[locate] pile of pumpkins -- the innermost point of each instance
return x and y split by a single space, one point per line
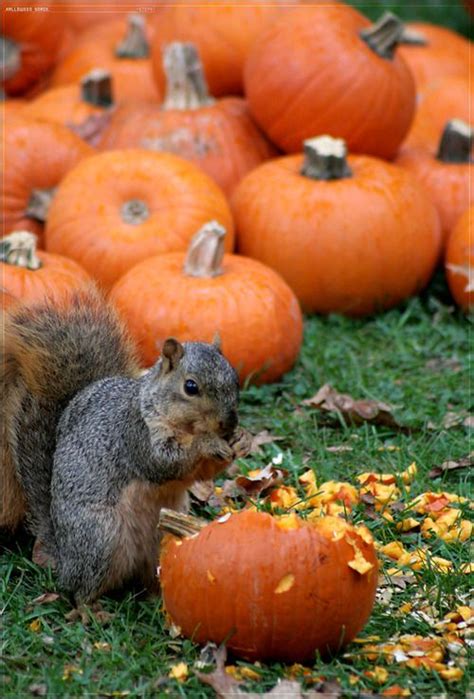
226 167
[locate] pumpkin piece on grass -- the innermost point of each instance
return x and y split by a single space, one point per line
327 70
36 157
29 274
350 235
121 47
218 135
268 588
194 295
85 108
117 208
459 261
446 175
433 52
30 43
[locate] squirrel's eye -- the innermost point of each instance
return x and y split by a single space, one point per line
191 387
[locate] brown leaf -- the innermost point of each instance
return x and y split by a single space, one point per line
469 422
263 437
266 478
339 448
46 598
356 411
38 690
439 364
464 462
202 490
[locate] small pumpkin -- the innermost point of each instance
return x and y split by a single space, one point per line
29 274
117 208
121 47
459 261
194 295
30 43
218 135
36 156
433 52
269 587
325 69
350 235
446 174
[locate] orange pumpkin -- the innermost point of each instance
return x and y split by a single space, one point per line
30 44
327 70
32 275
119 46
117 208
193 296
349 236
434 52
36 156
217 135
84 108
269 587
93 13
447 174
459 261
438 103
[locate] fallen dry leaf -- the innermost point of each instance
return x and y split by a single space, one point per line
356 411
256 482
263 437
45 598
202 490
439 364
38 690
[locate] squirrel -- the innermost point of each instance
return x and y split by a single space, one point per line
92 448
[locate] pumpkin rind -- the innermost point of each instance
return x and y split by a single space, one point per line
268 592
459 261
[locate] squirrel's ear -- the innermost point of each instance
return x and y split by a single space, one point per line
171 353
217 341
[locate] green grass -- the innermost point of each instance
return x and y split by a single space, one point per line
383 357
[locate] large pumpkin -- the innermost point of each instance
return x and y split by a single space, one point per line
271 588
36 156
121 47
327 70
29 274
459 260
351 236
218 135
445 174
193 296
117 208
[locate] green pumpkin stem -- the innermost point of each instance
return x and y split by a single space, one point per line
325 159
186 86
10 57
19 249
384 35
205 252
180 524
456 142
134 44
96 88
39 203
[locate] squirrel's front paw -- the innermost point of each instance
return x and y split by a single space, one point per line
240 443
222 451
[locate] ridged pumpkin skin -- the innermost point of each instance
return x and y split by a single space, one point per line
460 255
132 78
62 105
35 156
310 73
256 314
86 219
355 245
445 54
221 138
221 586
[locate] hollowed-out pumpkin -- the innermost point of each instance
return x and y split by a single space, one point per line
459 260
218 135
194 295
325 69
117 208
269 587
353 235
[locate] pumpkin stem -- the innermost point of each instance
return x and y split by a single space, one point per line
19 249
180 524
10 57
134 211
410 37
384 35
456 142
325 159
186 86
39 203
134 44
96 88
205 252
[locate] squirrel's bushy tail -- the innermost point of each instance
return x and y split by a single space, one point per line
50 352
